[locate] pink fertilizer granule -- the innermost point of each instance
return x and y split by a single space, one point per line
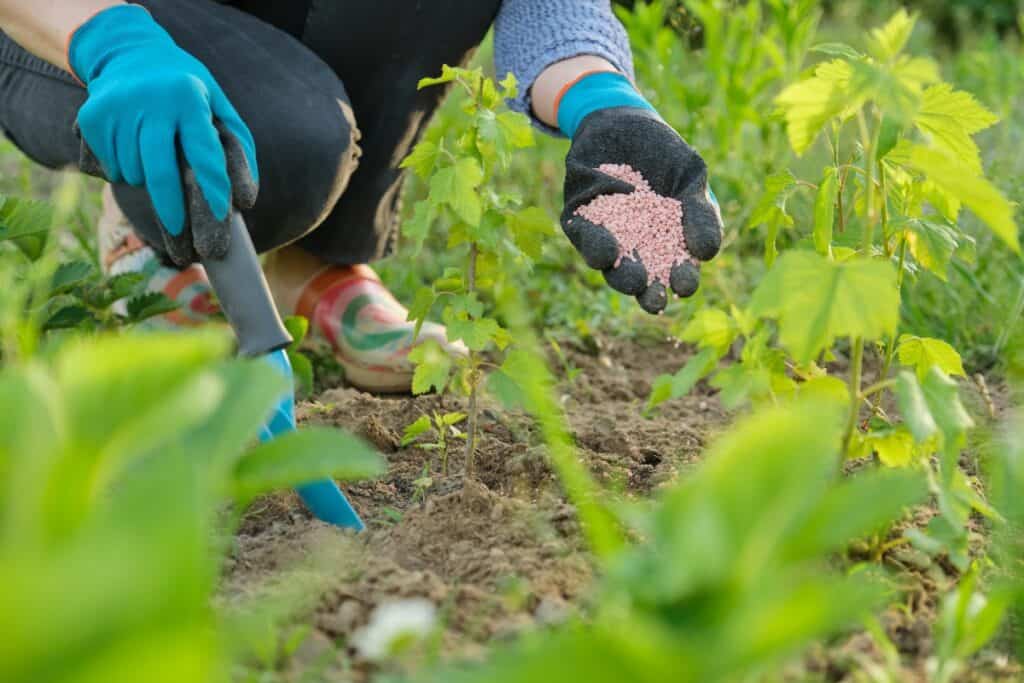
646 224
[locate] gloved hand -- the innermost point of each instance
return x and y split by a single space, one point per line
148 98
637 202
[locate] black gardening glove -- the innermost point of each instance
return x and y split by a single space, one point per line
637 138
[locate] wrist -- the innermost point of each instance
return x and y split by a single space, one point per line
95 42
594 92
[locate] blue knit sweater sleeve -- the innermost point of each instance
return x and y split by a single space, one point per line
531 35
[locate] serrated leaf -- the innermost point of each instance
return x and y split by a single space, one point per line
925 353
304 456
150 305
475 333
510 86
977 193
68 317
711 328
433 367
838 50
416 429
69 275
950 117
817 301
932 243
457 185
888 41
422 159
809 104
448 74
124 285
825 211
895 449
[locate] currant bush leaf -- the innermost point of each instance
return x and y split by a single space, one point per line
950 117
925 353
817 301
433 367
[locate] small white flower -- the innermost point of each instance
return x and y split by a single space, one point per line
395 627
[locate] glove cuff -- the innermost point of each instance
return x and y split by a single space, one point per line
594 92
93 44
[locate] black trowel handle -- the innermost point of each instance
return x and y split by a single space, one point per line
240 286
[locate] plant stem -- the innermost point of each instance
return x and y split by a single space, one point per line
869 139
473 372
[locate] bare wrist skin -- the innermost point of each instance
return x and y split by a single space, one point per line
552 82
43 27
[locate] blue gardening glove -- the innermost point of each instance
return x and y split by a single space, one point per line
637 202
323 498
149 102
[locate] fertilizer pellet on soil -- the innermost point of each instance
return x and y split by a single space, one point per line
647 225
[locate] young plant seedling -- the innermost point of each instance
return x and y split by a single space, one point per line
459 161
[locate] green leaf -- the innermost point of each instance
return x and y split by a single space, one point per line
809 104
150 305
670 387
924 353
977 193
69 275
825 211
866 503
26 223
531 228
124 285
933 242
416 429
817 301
448 74
711 328
302 369
943 398
302 457
422 159
914 408
417 228
771 210
476 333
951 117
837 50
433 367
298 328
68 317
457 185
740 383
895 449
889 40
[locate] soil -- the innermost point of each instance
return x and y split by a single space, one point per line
503 552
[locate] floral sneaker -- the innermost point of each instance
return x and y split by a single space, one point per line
352 310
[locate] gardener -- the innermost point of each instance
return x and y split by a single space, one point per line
317 102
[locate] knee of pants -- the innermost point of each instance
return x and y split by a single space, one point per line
307 156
